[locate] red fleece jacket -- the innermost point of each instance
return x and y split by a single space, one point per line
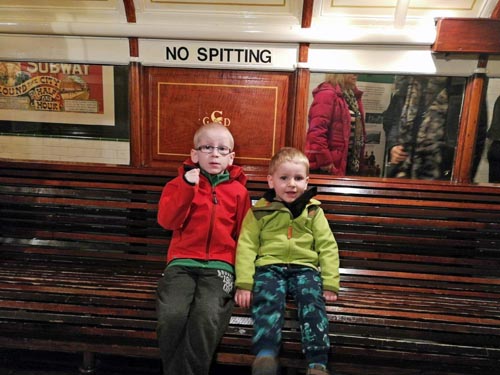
205 221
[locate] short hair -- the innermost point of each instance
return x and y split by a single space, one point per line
212 126
288 154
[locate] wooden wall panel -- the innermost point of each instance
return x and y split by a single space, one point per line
252 104
467 35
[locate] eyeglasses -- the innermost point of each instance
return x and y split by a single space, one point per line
207 149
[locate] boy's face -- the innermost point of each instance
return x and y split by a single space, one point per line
289 181
208 152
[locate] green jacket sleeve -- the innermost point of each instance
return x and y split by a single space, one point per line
328 252
247 251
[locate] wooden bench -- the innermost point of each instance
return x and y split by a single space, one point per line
420 277
420 270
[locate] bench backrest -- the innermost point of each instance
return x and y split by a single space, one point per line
104 213
385 230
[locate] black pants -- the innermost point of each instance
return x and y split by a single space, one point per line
494 161
194 306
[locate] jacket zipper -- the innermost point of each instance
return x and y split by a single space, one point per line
212 223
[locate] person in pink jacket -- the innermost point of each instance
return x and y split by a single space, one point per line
336 136
204 207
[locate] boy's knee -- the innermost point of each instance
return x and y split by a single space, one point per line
171 314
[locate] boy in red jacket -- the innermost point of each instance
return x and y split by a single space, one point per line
203 207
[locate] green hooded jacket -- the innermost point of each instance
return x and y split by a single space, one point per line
271 235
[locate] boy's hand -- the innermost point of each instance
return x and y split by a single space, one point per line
193 175
330 296
243 298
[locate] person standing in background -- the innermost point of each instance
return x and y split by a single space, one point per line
421 128
336 136
494 148
414 124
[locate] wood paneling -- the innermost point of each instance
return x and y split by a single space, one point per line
301 109
307 11
136 131
130 10
496 12
468 35
467 136
252 104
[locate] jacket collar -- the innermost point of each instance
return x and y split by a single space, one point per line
298 205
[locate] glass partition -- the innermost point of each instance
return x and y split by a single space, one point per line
384 125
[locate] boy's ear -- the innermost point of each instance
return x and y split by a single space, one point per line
270 181
194 156
231 158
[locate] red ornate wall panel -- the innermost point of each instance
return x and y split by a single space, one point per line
253 105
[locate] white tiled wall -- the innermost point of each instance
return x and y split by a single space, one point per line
64 149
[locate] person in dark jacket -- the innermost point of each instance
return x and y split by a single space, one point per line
421 127
203 207
415 127
494 148
336 136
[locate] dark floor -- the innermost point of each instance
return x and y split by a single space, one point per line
24 362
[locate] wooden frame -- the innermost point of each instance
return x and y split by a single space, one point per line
181 100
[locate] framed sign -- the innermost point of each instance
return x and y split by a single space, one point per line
253 105
57 92
64 100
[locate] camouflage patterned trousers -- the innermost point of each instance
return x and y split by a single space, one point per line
272 285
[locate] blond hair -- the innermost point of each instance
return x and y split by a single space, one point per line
337 79
288 154
202 130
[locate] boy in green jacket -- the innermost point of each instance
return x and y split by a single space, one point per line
286 247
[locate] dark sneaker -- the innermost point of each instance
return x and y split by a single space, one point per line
317 370
265 365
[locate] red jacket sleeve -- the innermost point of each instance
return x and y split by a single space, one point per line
175 203
320 119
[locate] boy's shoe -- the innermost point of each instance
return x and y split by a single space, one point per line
317 370
265 365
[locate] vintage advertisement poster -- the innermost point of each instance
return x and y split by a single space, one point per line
57 93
